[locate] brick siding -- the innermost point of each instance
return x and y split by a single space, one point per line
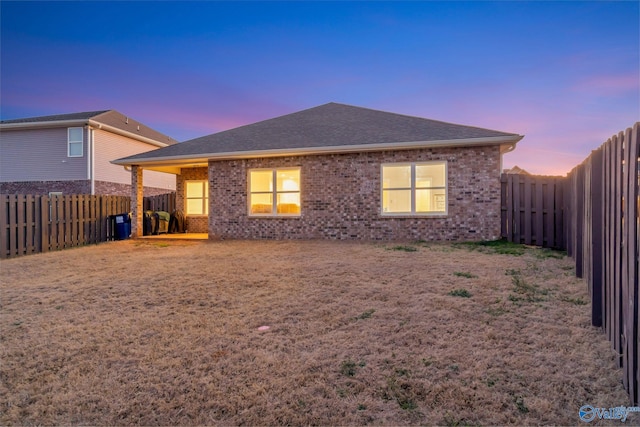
74 187
43 188
340 198
115 189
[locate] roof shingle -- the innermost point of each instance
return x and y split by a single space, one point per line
328 125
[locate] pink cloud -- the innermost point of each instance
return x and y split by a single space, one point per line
610 84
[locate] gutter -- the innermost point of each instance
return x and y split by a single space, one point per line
48 124
509 141
81 123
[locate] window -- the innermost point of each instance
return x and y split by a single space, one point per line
197 197
75 138
414 188
281 199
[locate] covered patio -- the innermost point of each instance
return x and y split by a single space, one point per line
192 199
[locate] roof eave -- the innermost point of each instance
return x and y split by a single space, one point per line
506 143
80 122
112 129
44 124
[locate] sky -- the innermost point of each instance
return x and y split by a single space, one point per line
564 74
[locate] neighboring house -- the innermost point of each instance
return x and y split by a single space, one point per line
336 172
72 153
516 170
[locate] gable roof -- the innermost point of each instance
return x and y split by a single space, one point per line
110 120
328 128
516 170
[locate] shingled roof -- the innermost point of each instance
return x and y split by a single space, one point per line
109 119
329 128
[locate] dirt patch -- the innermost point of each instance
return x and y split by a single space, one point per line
161 332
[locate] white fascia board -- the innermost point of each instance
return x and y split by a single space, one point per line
508 141
38 125
80 122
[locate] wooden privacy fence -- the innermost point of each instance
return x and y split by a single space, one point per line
593 215
603 240
162 202
33 224
532 210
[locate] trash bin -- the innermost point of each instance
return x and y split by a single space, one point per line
123 226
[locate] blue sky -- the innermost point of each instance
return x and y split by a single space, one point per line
564 74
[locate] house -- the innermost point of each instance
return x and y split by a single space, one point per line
516 170
72 153
336 172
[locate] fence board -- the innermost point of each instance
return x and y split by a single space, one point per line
617 325
45 221
549 211
4 226
13 201
597 231
509 225
559 214
539 215
630 261
21 223
503 206
527 210
578 218
32 224
609 262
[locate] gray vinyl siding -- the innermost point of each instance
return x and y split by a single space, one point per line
109 146
40 155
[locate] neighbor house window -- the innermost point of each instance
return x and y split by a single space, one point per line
197 197
414 188
274 192
75 138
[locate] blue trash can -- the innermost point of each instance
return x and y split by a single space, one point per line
123 226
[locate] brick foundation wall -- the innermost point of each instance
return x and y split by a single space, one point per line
340 198
194 224
43 188
74 187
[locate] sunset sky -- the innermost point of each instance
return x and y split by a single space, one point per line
564 74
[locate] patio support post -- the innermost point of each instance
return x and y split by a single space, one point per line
137 195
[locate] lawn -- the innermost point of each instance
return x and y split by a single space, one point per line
309 332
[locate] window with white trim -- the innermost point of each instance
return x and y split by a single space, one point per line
281 199
197 197
75 142
414 188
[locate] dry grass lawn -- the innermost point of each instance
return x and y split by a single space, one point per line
168 333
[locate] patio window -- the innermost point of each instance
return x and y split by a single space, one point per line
197 197
75 141
414 188
274 192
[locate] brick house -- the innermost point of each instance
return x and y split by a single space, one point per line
72 153
336 172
